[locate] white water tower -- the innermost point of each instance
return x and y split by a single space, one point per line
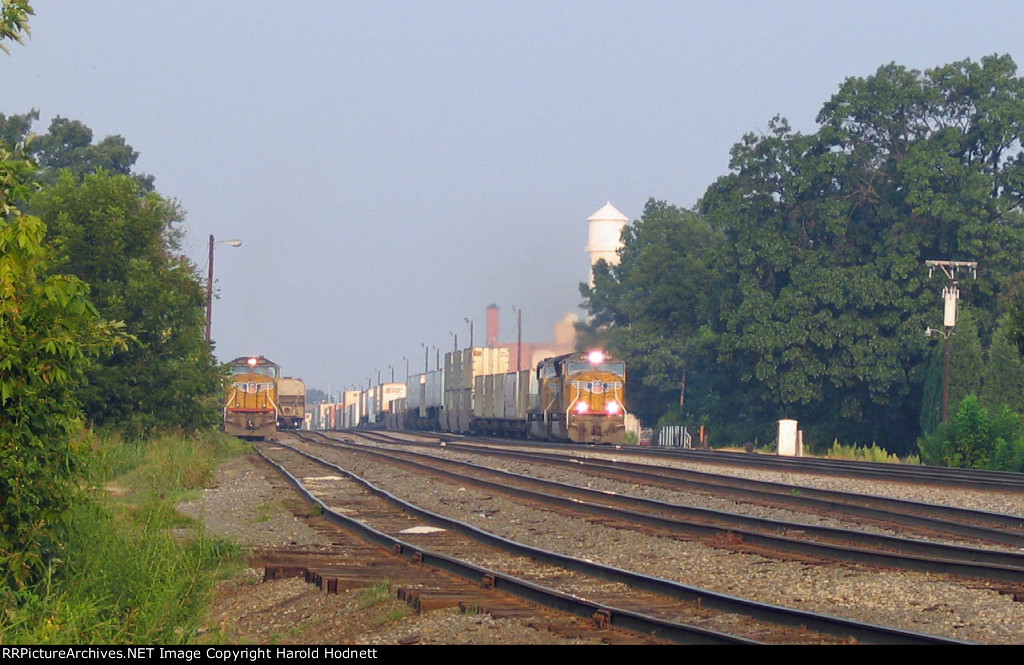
605 236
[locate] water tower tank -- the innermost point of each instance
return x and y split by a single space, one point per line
605 236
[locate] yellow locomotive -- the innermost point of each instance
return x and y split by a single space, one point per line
581 398
251 409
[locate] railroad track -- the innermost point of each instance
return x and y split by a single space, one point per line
828 543
953 522
930 475
622 591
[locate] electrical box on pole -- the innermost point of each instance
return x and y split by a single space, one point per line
950 295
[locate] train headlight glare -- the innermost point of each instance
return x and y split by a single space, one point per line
612 408
582 407
595 357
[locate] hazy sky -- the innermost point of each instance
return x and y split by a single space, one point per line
395 167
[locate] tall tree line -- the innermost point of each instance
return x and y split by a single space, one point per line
797 286
111 229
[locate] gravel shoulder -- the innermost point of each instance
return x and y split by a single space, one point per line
245 506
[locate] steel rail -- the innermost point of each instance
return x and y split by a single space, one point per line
965 478
890 551
946 519
551 598
832 625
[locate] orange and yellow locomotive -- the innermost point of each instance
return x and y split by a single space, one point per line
581 398
251 408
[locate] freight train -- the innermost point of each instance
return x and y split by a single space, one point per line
260 401
578 397
291 402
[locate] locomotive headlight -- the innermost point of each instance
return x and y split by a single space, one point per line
595 357
612 408
582 407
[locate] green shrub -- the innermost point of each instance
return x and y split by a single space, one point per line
126 576
976 439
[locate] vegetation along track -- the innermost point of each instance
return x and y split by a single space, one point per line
614 587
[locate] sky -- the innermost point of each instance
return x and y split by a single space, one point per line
394 167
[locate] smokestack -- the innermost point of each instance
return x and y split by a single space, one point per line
493 321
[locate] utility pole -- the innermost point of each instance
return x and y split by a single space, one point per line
950 296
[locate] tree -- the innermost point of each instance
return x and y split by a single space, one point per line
1003 379
655 306
124 242
48 332
68 145
966 371
14 22
816 296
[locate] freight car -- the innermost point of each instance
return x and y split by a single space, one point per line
291 402
251 409
577 397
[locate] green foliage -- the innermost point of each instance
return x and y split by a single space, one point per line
128 577
799 289
377 593
966 370
14 21
874 453
977 439
124 242
49 332
1003 377
654 308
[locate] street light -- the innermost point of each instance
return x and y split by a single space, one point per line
209 283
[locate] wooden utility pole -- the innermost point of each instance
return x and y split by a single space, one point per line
950 296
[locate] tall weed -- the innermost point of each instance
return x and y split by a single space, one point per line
874 453
125 576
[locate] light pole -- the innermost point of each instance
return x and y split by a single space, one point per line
209 283
519 338
467 320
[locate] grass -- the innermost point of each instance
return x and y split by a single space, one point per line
380 593
124 577
874 453
377 593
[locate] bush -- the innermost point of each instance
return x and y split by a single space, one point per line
976 439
